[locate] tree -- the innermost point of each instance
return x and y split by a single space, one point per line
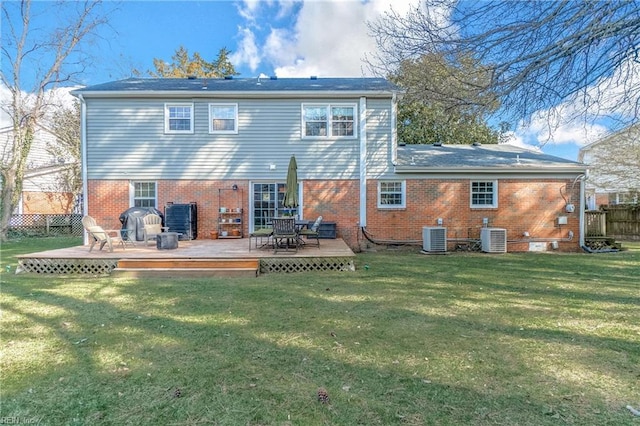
48 58
183 66
445 102
579 55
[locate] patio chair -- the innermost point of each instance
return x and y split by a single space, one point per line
260 234
313 232
99 235
152 228
284 234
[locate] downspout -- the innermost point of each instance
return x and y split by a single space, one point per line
363 162
394 129
83 153
582 202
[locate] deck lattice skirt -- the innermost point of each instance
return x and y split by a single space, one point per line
304 264
67 266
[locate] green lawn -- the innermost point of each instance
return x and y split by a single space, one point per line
516 339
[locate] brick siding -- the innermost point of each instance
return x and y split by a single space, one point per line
531 206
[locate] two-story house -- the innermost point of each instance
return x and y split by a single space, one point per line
45 185
149 142
614 163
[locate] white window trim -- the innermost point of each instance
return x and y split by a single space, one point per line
167 106
393 206
494 205
328 107
235 120
132 192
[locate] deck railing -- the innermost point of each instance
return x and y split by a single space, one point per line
595 223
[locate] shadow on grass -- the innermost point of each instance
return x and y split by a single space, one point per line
255 351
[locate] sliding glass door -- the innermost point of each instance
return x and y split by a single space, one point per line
267 201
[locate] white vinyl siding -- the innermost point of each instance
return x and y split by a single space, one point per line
392 194
126 140
223 118
178 118
484 194
329 120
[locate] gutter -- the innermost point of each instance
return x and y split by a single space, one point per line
492 170
235 94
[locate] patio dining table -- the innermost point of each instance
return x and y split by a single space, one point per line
296 242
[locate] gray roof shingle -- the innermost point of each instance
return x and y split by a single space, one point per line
471 157
244 85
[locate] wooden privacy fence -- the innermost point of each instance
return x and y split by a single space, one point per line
620 221
623 221
37 225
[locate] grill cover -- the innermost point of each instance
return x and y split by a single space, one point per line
131 219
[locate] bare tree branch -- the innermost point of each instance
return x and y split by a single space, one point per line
53 57
541 53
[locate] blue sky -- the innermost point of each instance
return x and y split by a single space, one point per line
287 38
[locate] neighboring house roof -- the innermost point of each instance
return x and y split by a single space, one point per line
613 137
270 87
499 158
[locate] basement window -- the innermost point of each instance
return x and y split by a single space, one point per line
392 194
484 194
143 194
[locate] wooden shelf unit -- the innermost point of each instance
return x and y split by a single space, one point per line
230 219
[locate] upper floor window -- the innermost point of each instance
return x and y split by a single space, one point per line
335 120
144 194
392 194
178 118
484 194
223 118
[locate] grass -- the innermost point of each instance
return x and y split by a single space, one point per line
526 339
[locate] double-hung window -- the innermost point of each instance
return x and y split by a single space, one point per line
484 194
143 194
392 194
223 118
178 118
329 120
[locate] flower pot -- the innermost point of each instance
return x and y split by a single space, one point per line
214 235
234 232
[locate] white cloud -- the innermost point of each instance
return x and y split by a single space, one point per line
329 38
589 115
247 50
60 97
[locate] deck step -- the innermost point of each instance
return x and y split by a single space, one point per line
187 267
184 272
188 263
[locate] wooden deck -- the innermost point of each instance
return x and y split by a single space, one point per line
333 254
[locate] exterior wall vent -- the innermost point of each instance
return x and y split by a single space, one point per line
434 239
494 240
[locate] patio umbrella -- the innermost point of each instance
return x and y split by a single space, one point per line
291 195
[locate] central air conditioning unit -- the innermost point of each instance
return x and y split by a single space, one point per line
494 240
434 239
